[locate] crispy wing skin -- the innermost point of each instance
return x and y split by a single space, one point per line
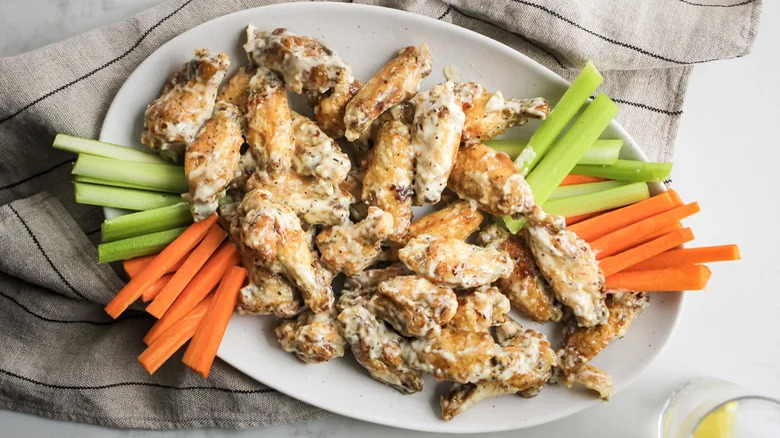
271 233
480 309
211 160
269 123
525 287
172 121
389 171
369 279
438 122
305 63
330 108
592 378
268 293
353 185
581 344
490 114
313 337
523 364
316 154
352 248
569 265
236 88
316 201
414 306
377 348
403 112
491 179
456 355
453 262
397 81
456 221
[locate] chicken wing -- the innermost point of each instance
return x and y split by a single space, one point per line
329 108
403 112
211 160
490 114
377 348
268 293
592 378
316 154
414 306
523 365
305 63
369 279
389 170
525 287
316 201
236 88
491 179
456 355
581 344
269 122
438 122
352 248
569 265
172 121
313 337
480 309
453 262
397 81
272 234
456 221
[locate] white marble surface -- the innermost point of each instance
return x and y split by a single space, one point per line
725 157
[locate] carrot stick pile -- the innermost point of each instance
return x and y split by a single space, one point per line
637 245
179 282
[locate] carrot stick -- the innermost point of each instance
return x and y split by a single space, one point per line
205 342
153 290
689 256
152 272
574 178
679 278
606 223
571 220
204 281
632 235
617 263
135 267
172 339
660 232
194 262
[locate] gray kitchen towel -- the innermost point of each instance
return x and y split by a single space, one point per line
62 357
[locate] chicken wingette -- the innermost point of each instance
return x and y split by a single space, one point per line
388 175
172 121
397 81
525 287
454 263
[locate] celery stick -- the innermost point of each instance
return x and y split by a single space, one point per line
145 222
628 170
602 151
129 199
93 147
549 173
578 93
161 177
598 201
584 189
137 246
105 182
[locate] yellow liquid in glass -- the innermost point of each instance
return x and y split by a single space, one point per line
719 423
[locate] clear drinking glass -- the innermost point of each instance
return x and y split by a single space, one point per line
714 408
